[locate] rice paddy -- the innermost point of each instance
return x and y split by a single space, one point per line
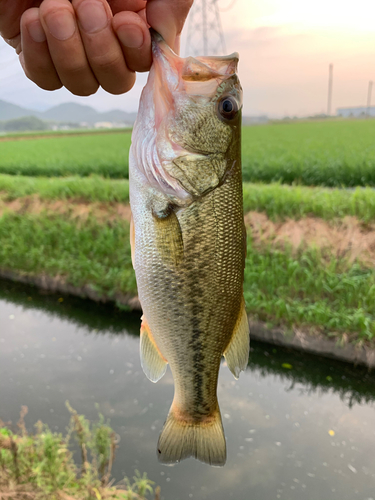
63 203
330 153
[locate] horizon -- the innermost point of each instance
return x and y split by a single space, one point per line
285 49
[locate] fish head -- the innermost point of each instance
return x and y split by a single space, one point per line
190 108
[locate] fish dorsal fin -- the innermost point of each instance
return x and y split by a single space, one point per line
153 362
237 352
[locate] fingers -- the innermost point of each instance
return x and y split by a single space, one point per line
126 5
35 57
83 47
102 47
167 17
134 35
66 47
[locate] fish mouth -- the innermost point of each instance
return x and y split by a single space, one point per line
195 76
200 68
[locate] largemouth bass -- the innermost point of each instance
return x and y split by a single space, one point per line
188 241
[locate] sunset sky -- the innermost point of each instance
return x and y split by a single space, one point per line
285 48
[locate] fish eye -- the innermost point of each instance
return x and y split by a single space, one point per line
228 107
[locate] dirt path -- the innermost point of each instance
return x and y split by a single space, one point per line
57 135
347 238
74 209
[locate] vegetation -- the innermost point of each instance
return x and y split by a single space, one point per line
40 466
311 288
278 201
62 133
105 154
22 124
308 287
327 153
79 252
88 189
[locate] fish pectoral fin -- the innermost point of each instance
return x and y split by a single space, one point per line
153 362
169 237
237 352
203 440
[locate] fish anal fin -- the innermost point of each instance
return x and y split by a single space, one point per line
237 352
203 440
153 362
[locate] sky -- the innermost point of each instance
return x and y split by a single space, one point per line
285 49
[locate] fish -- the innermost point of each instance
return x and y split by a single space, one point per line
188 241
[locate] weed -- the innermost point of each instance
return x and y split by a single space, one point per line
40 466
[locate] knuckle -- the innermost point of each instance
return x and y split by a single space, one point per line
107 62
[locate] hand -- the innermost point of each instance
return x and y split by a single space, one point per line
84 44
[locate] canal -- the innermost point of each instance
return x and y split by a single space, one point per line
298 427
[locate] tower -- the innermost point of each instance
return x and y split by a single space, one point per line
205 34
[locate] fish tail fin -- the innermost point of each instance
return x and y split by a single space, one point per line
182 438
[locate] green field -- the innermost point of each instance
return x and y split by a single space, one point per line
310 288
332 154
322 288
105 154
278 201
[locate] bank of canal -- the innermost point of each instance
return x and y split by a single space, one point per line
298 427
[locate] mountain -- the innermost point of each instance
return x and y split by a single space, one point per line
67 112
72 112
10 111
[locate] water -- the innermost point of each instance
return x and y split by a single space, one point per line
279 420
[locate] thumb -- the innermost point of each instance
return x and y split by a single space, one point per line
167 17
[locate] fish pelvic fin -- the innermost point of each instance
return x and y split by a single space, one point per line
237 352
203 440
153 362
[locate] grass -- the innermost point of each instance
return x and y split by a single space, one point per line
89 189
81 253
105 154
327 153
40 466
312 289
278 201
305 289
61 133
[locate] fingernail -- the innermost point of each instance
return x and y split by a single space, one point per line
61 25
36 31
131 36
92 16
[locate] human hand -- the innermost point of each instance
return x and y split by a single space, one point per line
84 44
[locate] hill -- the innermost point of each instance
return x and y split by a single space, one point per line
66 112
10 111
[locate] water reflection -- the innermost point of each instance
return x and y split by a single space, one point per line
277 416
